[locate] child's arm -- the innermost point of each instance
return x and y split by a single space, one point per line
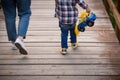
55 15
84 5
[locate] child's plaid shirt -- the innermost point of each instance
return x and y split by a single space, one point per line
66 10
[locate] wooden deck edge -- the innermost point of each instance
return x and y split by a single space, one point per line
110 5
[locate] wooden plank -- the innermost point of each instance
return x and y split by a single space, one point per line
58 33
56 50
60 72
54 21
59 77
47 39
25 61
34 44
59 67
55 56
35 24
96 28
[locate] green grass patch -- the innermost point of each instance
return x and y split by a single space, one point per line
112 19
114 1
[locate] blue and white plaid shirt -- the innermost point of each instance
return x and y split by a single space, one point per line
66 10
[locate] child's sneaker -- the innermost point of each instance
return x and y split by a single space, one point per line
20 45
64 51
74 45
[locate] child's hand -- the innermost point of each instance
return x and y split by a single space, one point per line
88 10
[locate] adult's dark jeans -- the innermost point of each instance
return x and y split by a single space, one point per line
24 12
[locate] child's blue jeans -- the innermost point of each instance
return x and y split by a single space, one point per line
65 28
24 12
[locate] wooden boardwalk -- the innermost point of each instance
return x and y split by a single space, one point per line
97 57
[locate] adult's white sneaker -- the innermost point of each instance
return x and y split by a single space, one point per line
20 45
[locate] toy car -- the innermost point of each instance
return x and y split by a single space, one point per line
86 19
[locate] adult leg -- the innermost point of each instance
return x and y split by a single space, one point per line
24 13
9 9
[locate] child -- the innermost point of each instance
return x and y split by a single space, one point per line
67 14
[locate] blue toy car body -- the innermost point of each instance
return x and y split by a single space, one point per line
88 21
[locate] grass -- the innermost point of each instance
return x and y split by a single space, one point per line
112 17
114 1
